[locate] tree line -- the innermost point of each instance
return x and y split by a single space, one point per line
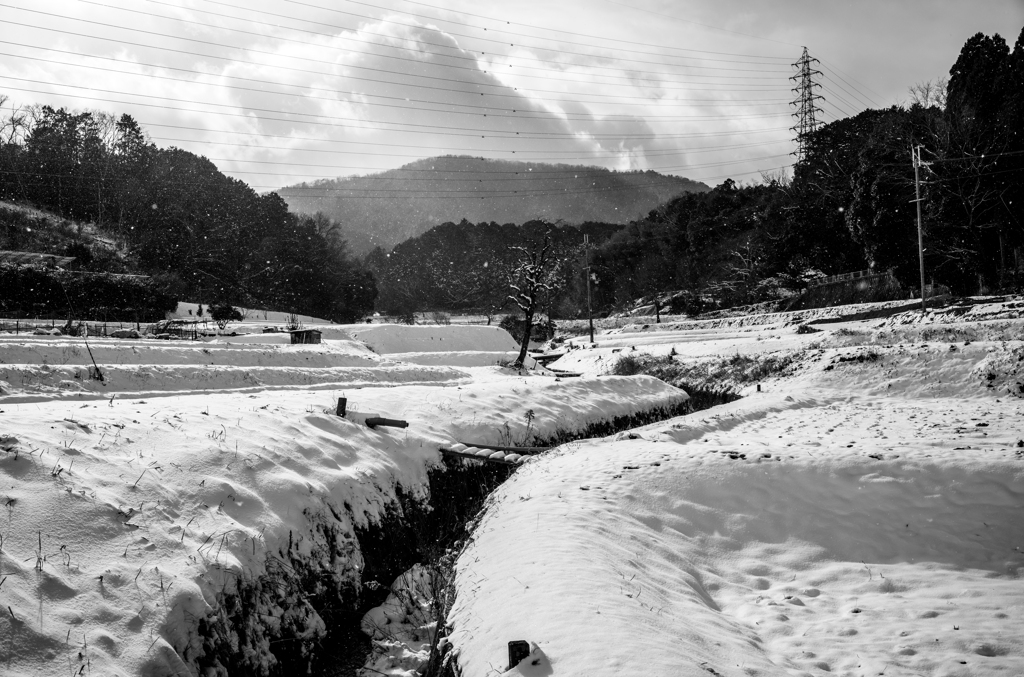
200 234
467 267
849 204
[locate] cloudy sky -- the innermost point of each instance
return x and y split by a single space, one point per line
276 92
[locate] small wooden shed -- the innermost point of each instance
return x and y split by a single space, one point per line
305 336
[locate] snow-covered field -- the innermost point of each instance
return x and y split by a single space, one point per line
131 504
860 514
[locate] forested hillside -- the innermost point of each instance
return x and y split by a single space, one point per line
384 209
850 203
173 215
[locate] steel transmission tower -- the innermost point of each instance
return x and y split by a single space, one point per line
806 109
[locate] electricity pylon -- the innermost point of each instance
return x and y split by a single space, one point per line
806 109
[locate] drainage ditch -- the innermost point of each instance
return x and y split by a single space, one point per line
303 615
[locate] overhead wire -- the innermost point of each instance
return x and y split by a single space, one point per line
859 100
403 145
558 30
518 114
418 127
406 193
645 102
840 72
853 106
372 69
548 155
585 44
473 60
748 88
547 178
560 49
456 57
848 108
495 133
690 21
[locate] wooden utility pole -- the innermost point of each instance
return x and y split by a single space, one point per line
590 313
915 155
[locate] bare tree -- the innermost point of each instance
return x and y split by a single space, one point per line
776 177
529 278
927 94
14 127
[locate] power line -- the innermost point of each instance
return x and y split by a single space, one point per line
354 66
837 113
855 97
391 126
746 87
602 38
858 105
420 128
548 155
382 44
546 178
560 50
689 21
549 158
845 109
473 60
401 145
517 114
647 102
406 193
840 72
534 175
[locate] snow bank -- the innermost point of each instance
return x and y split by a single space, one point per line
128 520
19 383
220 352
756 545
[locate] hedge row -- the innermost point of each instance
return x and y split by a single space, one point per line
29 291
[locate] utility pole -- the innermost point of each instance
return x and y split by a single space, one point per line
806 108
915 156
590 313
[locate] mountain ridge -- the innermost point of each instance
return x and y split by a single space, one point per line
389 207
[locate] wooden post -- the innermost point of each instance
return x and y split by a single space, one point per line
375 421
